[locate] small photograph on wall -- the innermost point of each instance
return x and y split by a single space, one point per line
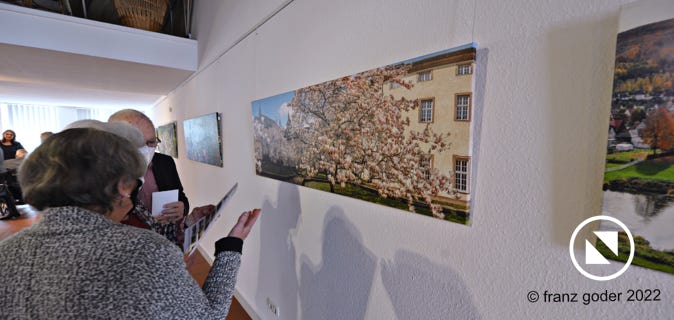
169 140
202 139
639 174
397 135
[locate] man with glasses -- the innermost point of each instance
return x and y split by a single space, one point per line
161 175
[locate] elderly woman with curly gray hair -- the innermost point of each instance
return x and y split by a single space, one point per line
78 261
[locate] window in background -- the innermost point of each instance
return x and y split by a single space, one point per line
28 121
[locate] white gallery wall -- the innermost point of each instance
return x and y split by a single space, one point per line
543 88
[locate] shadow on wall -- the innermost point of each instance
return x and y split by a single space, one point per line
338 288
278 279
580 90
420 289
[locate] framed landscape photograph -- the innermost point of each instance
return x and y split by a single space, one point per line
397 135
639 174
169 139
202 139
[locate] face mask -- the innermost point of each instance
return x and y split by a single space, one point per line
148 153
134 196
134 193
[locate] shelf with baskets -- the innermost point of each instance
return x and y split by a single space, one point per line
54 57
171 17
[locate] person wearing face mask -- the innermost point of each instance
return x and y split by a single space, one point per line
79 262
161 175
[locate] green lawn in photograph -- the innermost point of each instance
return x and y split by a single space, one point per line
623 157
644 255
277 171
452 212
610 165
656 169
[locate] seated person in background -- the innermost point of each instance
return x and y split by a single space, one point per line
77 261
8 211
12 167
3 169
9 145
45 135
13 164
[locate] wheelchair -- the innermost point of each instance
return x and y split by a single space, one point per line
8 202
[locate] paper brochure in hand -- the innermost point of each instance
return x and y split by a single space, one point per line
195 233
160 198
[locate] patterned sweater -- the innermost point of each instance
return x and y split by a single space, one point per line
77 264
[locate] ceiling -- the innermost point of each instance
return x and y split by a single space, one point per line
39 68
30 75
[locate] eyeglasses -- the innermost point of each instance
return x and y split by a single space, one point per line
153 142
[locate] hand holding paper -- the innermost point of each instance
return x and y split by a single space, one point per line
165 206
161 198
200 220
198 213
173 212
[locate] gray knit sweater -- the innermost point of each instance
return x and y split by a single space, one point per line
77 264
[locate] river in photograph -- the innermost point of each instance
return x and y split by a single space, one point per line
649 216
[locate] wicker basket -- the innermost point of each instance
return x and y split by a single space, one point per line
142 14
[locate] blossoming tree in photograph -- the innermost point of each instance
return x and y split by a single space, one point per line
358 137
353 134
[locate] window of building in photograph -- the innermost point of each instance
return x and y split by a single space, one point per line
463 107
426 111
461 174
464 69
426 164
425 76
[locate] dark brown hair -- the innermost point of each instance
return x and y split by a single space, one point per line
13 135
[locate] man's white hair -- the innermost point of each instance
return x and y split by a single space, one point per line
121 129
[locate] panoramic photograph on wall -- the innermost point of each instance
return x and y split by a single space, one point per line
397 135
169 139
202 139
639 174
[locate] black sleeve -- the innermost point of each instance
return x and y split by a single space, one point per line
166 175
228 244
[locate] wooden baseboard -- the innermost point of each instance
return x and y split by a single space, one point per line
247 308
